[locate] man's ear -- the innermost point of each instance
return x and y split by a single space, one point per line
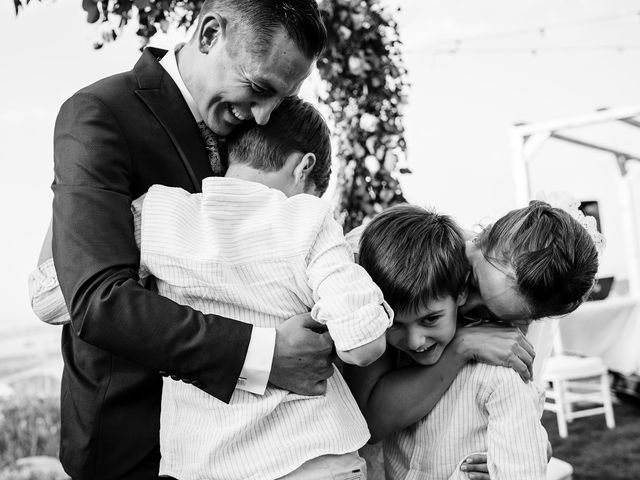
304 167
210 30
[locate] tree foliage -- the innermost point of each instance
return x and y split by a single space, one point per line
366 84
365 80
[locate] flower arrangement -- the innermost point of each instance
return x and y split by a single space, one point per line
366 85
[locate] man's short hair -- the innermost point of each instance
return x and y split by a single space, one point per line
301 20
295 126
415 256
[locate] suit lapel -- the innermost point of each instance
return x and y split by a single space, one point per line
161 95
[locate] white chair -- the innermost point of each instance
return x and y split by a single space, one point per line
573 380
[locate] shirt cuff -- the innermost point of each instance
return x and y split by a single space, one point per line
46 297
257 364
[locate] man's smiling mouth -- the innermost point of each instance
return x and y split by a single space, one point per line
237 113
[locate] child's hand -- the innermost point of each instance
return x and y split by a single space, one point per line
475 466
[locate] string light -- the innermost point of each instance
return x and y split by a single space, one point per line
528 50
541 30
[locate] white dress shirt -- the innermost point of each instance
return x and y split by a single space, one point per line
246 251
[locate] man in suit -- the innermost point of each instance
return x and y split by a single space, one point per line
113 140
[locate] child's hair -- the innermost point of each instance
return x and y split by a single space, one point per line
295 126
552 255
415 256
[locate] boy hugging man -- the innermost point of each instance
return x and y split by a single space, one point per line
418 260
259 246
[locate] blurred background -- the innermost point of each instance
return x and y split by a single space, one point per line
475 70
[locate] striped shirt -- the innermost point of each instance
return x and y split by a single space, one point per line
45 294
486 409
245 251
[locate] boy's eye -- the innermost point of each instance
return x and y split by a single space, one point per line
430 320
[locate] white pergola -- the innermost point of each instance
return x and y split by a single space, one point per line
529 138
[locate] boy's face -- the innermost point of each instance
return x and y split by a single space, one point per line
425 333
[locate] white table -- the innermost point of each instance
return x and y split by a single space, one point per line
609 329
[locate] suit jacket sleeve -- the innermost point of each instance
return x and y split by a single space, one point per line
97 261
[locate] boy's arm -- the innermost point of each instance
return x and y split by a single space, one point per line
365 354
345 297
516 440
392 399
45 295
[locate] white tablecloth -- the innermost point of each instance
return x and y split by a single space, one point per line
609 329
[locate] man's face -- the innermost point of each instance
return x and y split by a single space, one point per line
424 334
231 84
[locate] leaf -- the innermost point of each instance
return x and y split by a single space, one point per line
91 7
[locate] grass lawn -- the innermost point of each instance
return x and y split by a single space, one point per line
594 451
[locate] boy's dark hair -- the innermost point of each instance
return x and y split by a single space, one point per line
301 20
552 255
295 126
415 256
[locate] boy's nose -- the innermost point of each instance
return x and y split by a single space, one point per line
415 340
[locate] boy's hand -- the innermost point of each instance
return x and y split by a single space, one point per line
302 360
475 466
497 345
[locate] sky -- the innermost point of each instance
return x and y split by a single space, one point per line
476 68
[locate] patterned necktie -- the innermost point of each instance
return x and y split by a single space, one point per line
211 142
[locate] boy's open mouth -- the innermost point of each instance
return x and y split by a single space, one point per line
427 350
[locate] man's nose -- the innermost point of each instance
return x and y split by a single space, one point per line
261 111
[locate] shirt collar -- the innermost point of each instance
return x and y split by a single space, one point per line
170 63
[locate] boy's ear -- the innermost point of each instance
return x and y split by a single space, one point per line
462 296
209 31
304 167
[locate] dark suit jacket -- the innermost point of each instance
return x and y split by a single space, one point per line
113 140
